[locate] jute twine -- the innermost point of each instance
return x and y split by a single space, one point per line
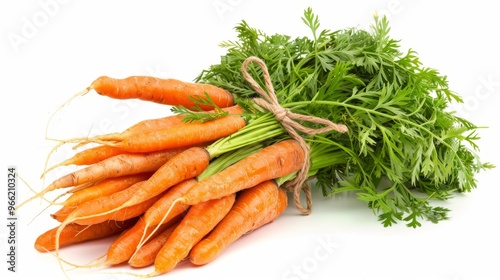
288 120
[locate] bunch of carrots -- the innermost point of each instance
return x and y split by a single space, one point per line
186 186
172 189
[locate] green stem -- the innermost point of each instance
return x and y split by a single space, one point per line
259 129
227 159
369 111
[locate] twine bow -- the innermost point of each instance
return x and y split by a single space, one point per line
288 120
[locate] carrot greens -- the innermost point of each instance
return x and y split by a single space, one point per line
403 146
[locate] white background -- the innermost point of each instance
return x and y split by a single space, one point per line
52 49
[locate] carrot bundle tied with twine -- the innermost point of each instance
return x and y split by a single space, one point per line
288 119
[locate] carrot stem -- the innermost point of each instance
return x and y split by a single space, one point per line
257 130
228 159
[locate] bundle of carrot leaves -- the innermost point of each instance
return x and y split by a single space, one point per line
403 146
190 184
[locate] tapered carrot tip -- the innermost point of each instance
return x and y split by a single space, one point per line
102 84
109 137
63 163
204 253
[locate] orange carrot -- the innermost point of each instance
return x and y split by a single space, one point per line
184 135
61 214
120 165
164 91
89 156
144 126
276 211
156 213
105 187
253 208
276 160
150 125
185 165
116 166
72 190
92 211
74 233
126 244
146 254
121 214
199 221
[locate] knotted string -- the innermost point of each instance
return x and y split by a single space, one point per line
288 120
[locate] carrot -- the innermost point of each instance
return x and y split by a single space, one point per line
186 165
92 211
184 135
164 91
273 161
105 187
121 214
253 208
156 213
144 126
72 190
199 221
276 211
120 165
74 233
146 254
88 156
150 125
126 244
61 214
